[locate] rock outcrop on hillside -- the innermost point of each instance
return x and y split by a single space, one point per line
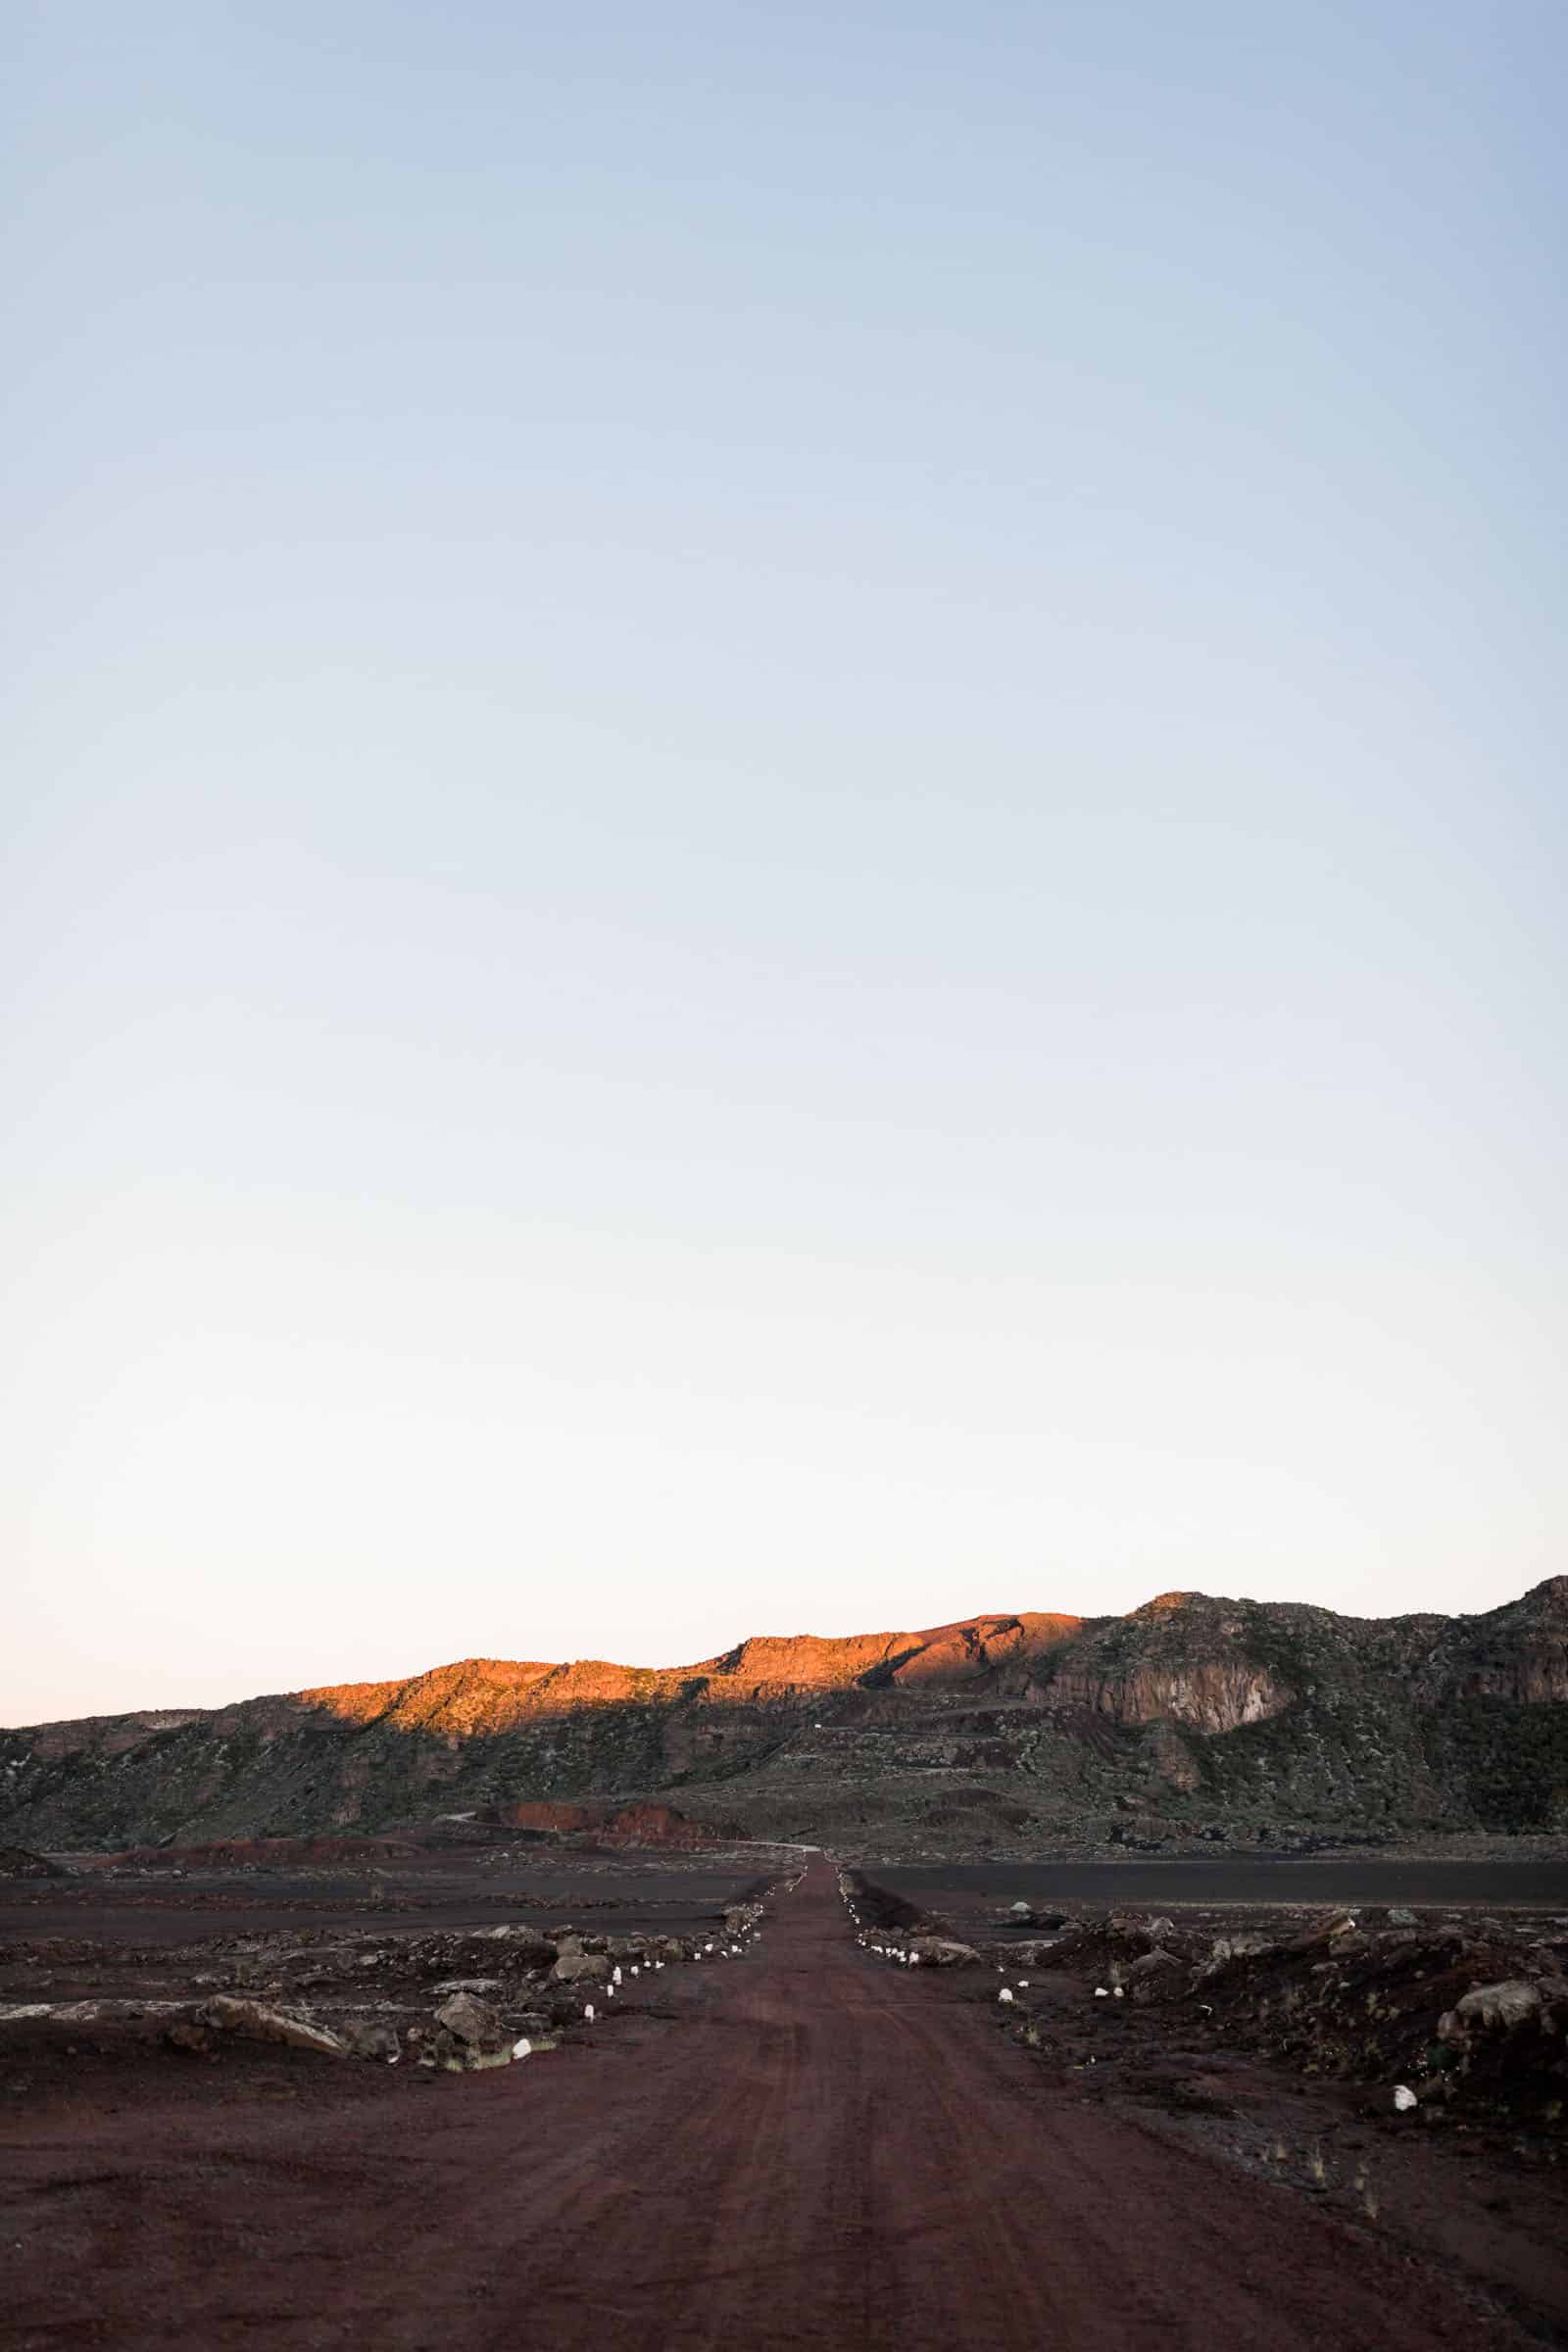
1190 1717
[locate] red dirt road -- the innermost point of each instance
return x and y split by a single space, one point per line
805 2149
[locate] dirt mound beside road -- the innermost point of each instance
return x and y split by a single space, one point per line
16 1862
613 1825
1373 1997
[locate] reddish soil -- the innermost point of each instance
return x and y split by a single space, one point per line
614 1825
805 2148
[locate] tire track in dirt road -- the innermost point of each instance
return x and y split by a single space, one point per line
802 2149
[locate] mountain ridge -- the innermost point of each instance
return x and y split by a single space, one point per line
1258 1715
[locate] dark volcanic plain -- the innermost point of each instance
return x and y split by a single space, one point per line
807 2144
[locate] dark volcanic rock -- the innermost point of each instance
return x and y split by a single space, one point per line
590 1968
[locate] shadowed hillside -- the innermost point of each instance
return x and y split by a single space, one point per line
1192 1716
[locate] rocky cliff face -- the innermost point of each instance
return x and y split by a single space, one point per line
1229 1719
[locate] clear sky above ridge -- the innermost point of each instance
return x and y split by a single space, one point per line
783 824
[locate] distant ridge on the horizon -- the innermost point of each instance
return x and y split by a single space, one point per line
821 1659
1268 1716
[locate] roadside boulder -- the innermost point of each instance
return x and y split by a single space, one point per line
1237 1947
526 1945
372 2038
575 1967
943 1951
470 2019
1491 2008
1155 1977
466 2035
559 2004
1153 1964
1324 1931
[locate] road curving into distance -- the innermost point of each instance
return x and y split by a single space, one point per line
800 2148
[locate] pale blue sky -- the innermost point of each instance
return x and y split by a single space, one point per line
784 843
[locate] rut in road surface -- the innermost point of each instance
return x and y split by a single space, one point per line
815 2151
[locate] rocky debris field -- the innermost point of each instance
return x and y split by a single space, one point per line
1457 2022
456 1999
